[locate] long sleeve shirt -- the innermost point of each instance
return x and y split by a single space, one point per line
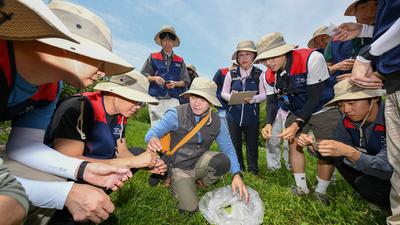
170 122
375 165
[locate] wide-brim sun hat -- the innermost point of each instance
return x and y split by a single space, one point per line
193 68
30 20
272 45
319 32
91 32
132 85
246 45
351 9
205 88
167 29
347 90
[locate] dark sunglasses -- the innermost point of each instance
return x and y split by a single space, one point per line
167 34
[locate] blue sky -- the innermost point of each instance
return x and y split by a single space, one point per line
210 29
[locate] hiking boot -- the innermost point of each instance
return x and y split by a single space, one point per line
298 191
323 198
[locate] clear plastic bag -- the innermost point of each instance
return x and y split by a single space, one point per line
222 207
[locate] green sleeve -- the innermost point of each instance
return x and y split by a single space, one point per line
328 52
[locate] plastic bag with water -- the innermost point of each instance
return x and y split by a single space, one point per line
222 207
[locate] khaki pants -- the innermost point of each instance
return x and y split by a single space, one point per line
184 181
392 117
156 112
36 215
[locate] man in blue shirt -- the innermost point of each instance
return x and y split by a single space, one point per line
193 161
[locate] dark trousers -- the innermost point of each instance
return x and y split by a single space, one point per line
251 139
371 188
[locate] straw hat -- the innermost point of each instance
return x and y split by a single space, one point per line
346 90
205 88
133 86
246 45
92 33
319 32
167 29
30 20
272 45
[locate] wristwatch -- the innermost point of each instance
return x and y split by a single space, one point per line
364 52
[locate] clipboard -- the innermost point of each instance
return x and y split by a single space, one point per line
238 97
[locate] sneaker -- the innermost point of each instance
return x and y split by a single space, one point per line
298 191
323 198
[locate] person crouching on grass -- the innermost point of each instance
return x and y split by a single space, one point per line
103 115
193 160
359 145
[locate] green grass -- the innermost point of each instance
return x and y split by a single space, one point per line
138 203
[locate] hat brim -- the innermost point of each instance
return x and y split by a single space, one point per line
126 92
311 43
283 49
351 9
157 39
31 20
212 99
113 64
234 55
366 93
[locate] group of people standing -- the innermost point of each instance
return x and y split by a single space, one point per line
325 99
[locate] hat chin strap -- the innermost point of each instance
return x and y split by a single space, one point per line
363 122
123 118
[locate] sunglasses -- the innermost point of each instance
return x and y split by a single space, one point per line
167 34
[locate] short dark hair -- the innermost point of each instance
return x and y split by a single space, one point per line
170 35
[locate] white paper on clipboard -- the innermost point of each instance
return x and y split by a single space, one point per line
238 97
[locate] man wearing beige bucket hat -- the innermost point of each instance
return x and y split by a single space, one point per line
243 119
166 72
297 78
320 39
193 161
31 71
359 144
104 120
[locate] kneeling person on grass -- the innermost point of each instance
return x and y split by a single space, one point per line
92 126
359 145
193 160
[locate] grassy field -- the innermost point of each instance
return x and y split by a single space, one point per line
138 203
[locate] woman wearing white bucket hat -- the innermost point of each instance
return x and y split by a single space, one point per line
101 135
297 78
359 144
29 91
192 160
243 119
